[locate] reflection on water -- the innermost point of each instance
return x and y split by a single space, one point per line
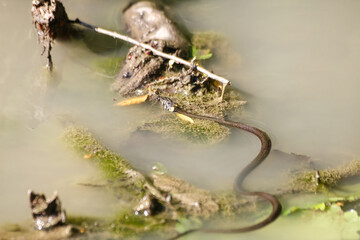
299 69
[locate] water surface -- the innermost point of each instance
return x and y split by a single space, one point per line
297 63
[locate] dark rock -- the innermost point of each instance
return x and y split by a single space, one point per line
147 21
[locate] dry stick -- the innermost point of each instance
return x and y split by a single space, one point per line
176 59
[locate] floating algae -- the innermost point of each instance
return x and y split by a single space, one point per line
114 166
323 180
208 102
201 131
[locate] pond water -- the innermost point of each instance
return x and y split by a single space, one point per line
297 63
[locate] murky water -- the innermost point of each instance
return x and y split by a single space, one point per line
298 63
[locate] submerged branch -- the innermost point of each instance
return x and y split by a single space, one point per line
155 51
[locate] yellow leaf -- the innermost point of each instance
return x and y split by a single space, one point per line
87 156
218 85
134 100
185 118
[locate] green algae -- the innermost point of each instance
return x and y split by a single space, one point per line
346 203
128 225
186 199
201 131
207 103
89 224
114 166
209 40
200 54
231 204
323 180
185 224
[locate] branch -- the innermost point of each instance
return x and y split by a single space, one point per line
155 51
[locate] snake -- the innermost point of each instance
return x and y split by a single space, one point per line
260 157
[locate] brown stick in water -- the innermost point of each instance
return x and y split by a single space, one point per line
176 59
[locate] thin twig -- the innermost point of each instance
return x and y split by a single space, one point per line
155 51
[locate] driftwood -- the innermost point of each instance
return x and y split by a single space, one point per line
152 31
153 34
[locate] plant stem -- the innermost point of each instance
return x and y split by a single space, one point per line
116 35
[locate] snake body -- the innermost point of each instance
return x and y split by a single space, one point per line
263 153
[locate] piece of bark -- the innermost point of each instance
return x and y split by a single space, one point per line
148 23
47 213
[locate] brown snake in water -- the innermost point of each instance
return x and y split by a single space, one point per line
264 152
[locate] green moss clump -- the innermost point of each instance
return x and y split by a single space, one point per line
81 221
114 166
219 46
209 40
202 131
231 205
208 102
204 102
323 180
130 225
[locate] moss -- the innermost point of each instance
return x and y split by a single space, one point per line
205 103
209 40
323 180
114 166
82 221
208 102
221 49
127 224
231 205
201 131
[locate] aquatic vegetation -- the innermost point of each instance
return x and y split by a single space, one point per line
114 166
201 131
185 224
200 54
211 41
323 206
215 44
208 102
330 215
127 224
196 131
231 205
335 221
323 180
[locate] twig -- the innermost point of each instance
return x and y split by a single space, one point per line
155 51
